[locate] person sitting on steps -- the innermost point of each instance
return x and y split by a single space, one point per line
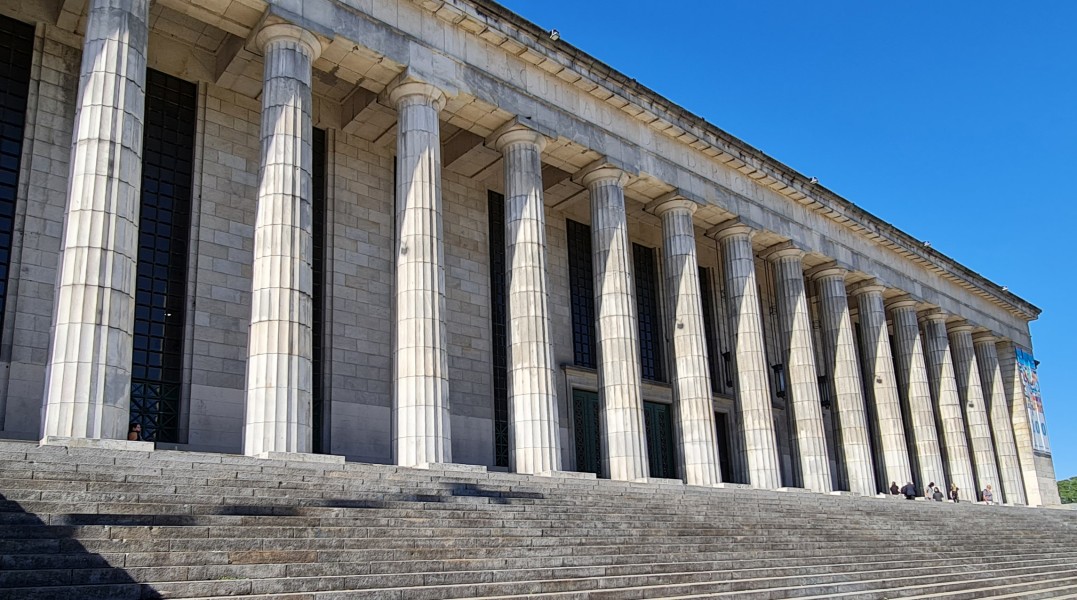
909 490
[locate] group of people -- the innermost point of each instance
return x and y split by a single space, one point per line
933 492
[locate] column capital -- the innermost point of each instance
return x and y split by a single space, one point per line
406 86
782 250
515 132
827 271
291 33
985 337
673 201
960 326
602 172
868 286
730 228
902 301
933 314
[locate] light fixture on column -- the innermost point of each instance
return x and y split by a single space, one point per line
824 393
779 379
727 366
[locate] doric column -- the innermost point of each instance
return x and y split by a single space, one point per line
839 348
1013 488
882 383
972 399
535 444
1022 431
88 382
951 423
803 381
279 375
916 392
618 335
753 400
421 433
696 436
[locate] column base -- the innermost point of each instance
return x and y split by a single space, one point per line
794 489
568 475
433 466
729 485
659 480
69 442
309 457
843 493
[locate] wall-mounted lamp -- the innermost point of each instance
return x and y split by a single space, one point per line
727 367
779 379
824 393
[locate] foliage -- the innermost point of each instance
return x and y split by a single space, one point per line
1067 489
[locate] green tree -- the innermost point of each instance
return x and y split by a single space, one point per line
1067 489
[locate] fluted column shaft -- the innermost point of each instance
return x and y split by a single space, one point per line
535 444
802 377
694 414
844 369
881 385
916 391
1013 488
977 425
619 372
1022 430
421 429
88 381
951 425
753 400
279 375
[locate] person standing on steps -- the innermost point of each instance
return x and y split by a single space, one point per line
910 491
929 491
988 495
954 492
894 491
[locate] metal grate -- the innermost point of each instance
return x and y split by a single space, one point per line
16 54
659 424
498 326
710 328
582 294
318 194
650 343
163 235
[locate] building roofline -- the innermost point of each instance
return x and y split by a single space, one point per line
772 172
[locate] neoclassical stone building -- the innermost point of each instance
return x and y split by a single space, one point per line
426 231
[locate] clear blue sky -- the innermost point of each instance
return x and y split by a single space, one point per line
955 121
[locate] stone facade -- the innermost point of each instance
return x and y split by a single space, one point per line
427 106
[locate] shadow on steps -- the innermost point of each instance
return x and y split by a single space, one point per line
44 561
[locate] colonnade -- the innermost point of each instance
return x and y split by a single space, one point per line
938 407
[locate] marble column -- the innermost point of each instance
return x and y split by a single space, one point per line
277 417
421 430
916 392
839 348
971 394
697 444
878 364
753 401
534 439
619 376
802 393
1022 429
1013 488
951 422
88 380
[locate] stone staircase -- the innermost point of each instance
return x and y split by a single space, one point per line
87 523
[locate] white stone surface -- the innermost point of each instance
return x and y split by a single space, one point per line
754 411
625 450
839 345
277 416
802 393
421 425
916 394
88 380
534 444
881 384
951 420
1013 488
977 426
697 445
